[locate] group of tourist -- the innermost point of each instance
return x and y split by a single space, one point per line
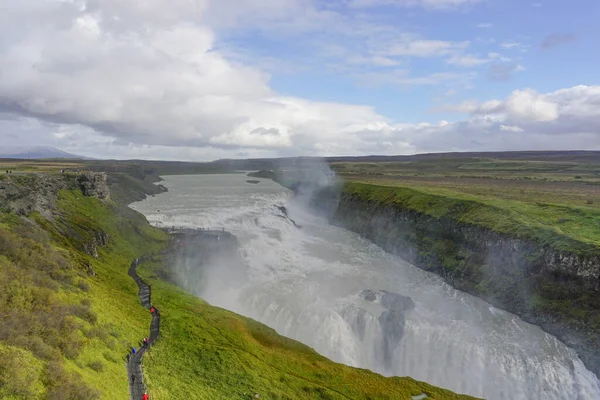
145 342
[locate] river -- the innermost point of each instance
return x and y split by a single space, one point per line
309 284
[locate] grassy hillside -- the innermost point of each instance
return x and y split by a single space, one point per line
552 199
67 319
563 227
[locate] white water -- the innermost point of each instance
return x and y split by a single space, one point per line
305 284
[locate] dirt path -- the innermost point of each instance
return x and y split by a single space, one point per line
134 366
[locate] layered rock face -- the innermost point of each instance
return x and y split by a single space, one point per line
24 194
391 319
27 193
99 239
557 290
94 184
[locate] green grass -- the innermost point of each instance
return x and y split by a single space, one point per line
84 353
113 293
69 331
27 166
576 169
20 374
562 227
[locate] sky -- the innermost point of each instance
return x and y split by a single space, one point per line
200 80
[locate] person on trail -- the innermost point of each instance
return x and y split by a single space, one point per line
152 309
132 350
145 396
145 342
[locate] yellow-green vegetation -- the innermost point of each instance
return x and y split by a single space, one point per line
64 333
563 227
68 318
525 166
553 201
21 166
206 352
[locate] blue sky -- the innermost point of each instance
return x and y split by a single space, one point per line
205 79
515 30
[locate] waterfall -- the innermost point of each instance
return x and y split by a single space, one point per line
356 304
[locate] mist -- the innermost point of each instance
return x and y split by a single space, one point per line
350 300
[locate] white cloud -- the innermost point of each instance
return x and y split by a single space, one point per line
155 78
433 4
425 48
465 107
402 77
156 83
471 61
579 103
528 105
489 107
510 128
516 46
467 61
379 61
565 119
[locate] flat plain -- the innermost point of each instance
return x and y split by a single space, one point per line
562 195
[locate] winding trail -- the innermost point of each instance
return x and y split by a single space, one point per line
135 375
134 365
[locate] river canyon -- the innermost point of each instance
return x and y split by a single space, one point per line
353 302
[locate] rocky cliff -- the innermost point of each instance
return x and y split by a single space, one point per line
94 184
26 193
555 289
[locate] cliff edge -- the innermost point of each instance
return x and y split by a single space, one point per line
546 277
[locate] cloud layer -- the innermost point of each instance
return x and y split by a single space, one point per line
147 78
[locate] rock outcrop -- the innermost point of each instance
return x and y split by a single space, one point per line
99 239
26 193
391 320
94 184
388 314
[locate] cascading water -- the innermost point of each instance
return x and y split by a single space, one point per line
358 305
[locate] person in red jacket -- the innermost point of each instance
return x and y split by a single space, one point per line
145 396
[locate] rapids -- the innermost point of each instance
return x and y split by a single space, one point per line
356 304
